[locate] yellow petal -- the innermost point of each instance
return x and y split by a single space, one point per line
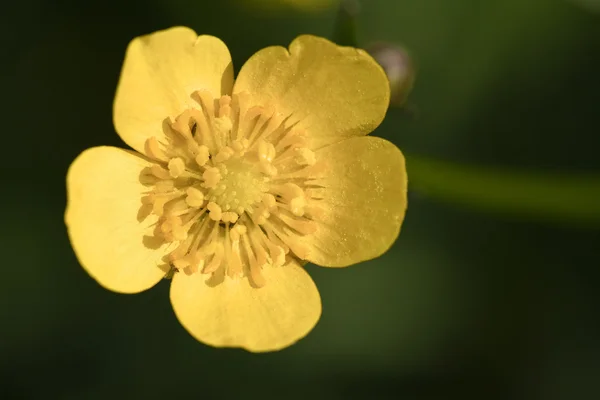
363 202
104 198
159 75
231 313
335 92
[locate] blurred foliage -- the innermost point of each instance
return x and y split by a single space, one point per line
344 27
298 5
545 195
553 197
592 5
491 299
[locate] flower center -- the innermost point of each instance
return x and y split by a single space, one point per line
241 186
232 188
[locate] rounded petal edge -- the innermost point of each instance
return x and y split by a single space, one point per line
332 92
232 313
109 233
361 202
160 73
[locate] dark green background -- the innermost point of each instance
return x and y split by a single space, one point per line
467 304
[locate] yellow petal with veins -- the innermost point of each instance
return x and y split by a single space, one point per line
225 312
159 75
110 238
362 202
334 92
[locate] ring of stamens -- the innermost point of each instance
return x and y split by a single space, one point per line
232 188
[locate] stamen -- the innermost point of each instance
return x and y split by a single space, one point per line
178 231
235 186
266 151
215 212
158 205
297 206
153 149
269 201
182 125
225 107
202 156
240 146
160 172
223 124
202 135
176 167
229 217
195 198
164 186
216 260
234 259
211 177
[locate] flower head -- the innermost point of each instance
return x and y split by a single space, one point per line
234 186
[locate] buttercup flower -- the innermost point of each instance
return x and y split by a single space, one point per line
233 186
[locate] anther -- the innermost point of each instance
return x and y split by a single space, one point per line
229 217
195 198
215 212
191 269
225 106
266 151
202 156
292 190
297 206
277 254
239 146
237 231
211 177
176 167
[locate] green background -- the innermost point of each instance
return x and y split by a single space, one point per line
490 292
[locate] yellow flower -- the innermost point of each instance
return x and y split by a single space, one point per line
234 186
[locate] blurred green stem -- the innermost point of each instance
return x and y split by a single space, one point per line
548 196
